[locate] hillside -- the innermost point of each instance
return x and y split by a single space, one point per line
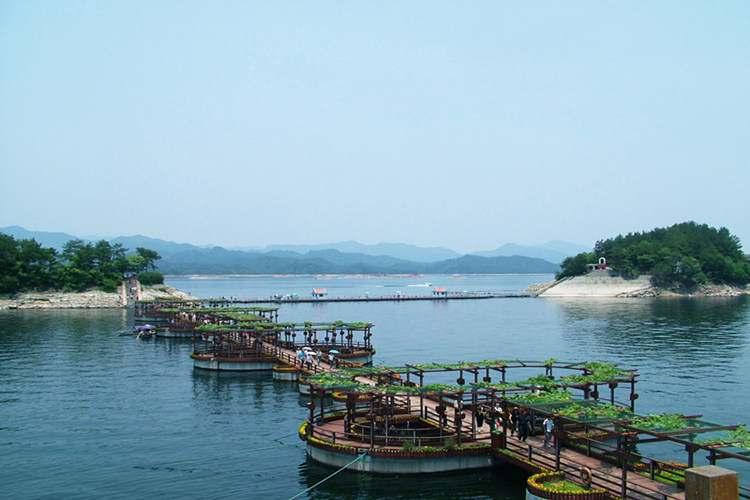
184 258
221 261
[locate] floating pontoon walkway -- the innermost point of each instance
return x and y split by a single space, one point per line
385 298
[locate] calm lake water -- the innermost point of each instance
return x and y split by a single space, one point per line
86 413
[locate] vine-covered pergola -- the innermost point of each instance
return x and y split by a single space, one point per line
389 406
390 391
243 336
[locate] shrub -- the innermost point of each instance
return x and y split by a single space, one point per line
150 278
450 443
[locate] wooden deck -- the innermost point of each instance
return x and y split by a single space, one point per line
604 475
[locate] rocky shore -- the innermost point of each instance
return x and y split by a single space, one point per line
603 285
94 299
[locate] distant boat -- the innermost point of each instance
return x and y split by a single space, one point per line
423 284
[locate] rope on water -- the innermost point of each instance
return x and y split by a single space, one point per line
363 455
278 440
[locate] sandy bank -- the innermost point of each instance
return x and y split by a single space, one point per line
94 299
599 284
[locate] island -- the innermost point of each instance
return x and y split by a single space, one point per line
684 259
81 276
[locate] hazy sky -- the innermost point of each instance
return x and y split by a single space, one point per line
459 124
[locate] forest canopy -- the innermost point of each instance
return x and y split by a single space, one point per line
26 265
685 254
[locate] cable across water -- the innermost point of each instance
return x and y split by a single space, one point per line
360 457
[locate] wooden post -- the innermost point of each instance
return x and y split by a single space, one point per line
623 448
691 449
711 483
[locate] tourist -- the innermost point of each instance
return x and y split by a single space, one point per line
548 425
523 426
479 417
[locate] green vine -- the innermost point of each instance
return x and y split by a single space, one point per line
664 421
542 397
606 411
739 438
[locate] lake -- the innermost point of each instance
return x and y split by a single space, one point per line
86 413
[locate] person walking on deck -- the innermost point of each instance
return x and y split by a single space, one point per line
548 425
523 426
479 417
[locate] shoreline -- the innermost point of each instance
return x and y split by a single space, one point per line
586 287
601 285
332 276
90 299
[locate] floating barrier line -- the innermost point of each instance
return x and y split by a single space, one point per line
278 440
363 455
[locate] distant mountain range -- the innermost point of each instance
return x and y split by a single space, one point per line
347 257
554 251
396 250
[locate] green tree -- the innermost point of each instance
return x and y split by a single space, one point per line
149 256
35 266
577 265
9 282
26 265
135 263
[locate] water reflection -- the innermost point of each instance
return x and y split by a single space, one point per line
497 483
687 329
691 354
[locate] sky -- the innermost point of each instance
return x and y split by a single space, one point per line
465 125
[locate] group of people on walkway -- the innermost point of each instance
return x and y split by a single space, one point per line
522 423
493 418
308 357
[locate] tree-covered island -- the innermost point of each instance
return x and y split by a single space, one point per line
681 256
25 265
